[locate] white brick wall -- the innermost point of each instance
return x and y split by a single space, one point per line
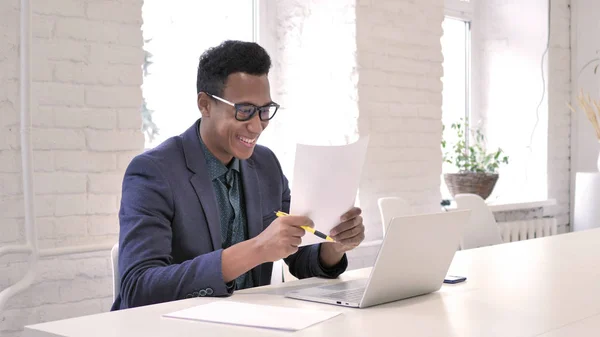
400 97
559 115
86 96
405 144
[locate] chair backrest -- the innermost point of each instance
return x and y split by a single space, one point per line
287 276
281 273
482 229
114 260
277 274
391 207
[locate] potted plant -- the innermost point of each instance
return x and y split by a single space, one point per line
477 167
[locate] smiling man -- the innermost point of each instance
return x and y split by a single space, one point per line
197 214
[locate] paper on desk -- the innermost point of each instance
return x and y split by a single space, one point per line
254 315
325 184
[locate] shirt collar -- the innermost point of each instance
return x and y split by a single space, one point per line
214 165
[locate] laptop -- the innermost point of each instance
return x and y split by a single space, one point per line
413 260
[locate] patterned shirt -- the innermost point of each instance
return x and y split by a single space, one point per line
227 184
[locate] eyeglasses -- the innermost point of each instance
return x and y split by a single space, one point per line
245 111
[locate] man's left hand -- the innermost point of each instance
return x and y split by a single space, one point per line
350 232
347 235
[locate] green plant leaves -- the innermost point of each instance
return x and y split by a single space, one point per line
474 157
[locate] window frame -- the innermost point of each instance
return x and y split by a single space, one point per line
459 9
465 17
462 10
265 28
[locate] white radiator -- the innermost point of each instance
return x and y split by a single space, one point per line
527 229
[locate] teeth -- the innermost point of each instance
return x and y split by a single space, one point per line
247 140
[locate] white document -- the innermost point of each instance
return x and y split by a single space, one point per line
254 315
326 180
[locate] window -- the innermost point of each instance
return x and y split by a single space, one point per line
175 35
456 81
509 95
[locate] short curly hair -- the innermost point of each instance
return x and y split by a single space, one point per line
217 63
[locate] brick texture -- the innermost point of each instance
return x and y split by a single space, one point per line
86 96
559 115
399 97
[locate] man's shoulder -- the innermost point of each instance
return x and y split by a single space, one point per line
264 156
167 155
262 152
267 165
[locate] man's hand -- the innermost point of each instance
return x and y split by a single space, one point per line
281 238
347 235
351 232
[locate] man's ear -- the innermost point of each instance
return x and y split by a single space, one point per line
204 104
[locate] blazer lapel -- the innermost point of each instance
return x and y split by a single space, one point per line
206 195
252 198
253 205
200 180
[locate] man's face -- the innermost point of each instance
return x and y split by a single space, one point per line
229 136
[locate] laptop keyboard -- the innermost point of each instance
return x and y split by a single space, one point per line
350 295
346 285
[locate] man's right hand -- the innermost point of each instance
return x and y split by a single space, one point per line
282 237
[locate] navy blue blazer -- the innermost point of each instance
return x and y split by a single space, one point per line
170 237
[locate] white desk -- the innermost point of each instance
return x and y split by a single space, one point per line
545 287
585 327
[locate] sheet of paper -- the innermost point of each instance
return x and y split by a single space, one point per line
325 184
254 315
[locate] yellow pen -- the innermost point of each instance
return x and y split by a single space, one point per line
309 229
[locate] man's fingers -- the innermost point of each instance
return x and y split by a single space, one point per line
352 213
352 232
298 221
295 241
353 241
291 250
345 226
296 231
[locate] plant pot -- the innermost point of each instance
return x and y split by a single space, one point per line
481 184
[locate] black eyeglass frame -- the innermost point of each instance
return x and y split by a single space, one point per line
255 108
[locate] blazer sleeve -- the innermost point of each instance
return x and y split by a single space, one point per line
305 262
148 275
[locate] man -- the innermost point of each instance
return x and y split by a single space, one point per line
197 214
